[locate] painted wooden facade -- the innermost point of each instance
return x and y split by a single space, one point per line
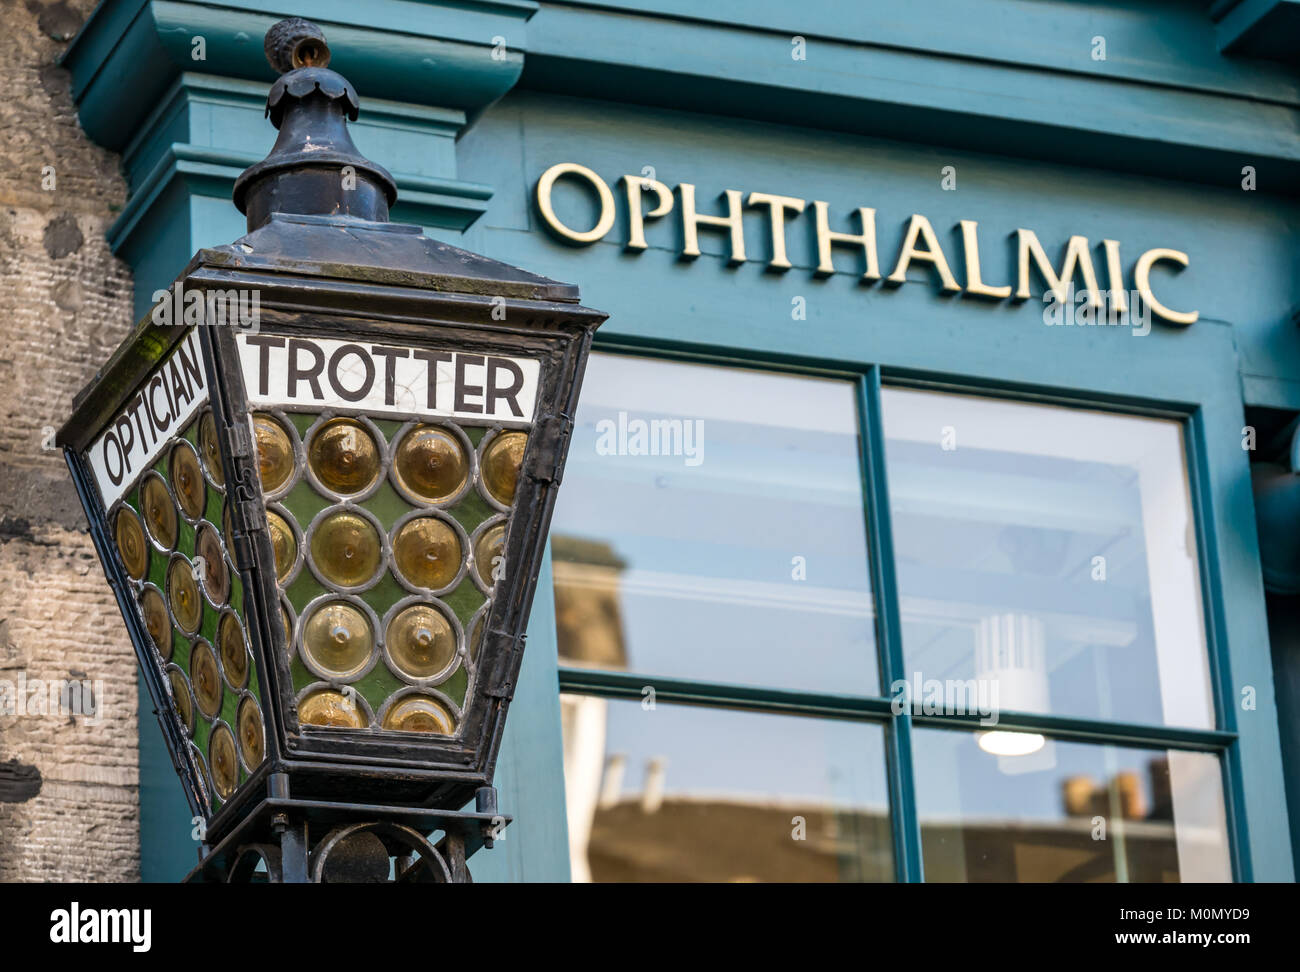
999 112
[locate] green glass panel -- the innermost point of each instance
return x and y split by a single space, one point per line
475 433
303 589
237 594
158 569
132 499
301 677
388 427
213 511
229 706
454 688
464 601
472 510
202 730
304 502
181 650
385 594
387 506
208 626
302 421
191 433
185 537
376 687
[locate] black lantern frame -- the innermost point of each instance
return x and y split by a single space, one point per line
325 272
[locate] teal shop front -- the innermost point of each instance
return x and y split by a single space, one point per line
883 553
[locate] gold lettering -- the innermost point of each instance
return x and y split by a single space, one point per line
826 236
1115 273
933 253
634 184
691 221
603 223
920 242
777 206
1142 281
1077 256
974 282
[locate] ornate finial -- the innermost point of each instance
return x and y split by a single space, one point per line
295 43
314 168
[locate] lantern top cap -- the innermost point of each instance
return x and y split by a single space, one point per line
296 43
314 167
297 49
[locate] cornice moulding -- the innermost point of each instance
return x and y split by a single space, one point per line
453 55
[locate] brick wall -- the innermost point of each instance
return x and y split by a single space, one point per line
68 789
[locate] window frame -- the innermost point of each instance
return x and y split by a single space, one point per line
1224 741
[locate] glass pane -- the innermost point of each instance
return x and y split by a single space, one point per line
711 527
1068 812
1050 555
686 793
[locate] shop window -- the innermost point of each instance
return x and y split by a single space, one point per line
739 705
1070 812
711 528
689 793
1049 553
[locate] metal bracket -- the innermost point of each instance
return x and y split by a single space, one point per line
245 508
500 678
551 434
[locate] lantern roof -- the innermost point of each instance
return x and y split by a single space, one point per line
316 206
378 252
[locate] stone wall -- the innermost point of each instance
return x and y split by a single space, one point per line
69 801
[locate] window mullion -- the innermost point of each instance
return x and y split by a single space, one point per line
898 751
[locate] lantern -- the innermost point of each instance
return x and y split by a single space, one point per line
319 476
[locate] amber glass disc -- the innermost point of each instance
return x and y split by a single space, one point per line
346 549
283 543
131 544
501 461
216 578
274 452
226 532
223 762
430 464
344 457
338 640
205 679
327 707
156 621
252 740
211 451
421 642
427 552
420 713
159 511
188 484
234 653
489 554
181 695
183 593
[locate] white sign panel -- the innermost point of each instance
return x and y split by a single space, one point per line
161 409
325 373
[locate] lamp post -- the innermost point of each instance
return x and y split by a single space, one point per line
319 476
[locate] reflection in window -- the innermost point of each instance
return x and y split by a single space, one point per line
711 527
1069 812
686 793
1050 553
